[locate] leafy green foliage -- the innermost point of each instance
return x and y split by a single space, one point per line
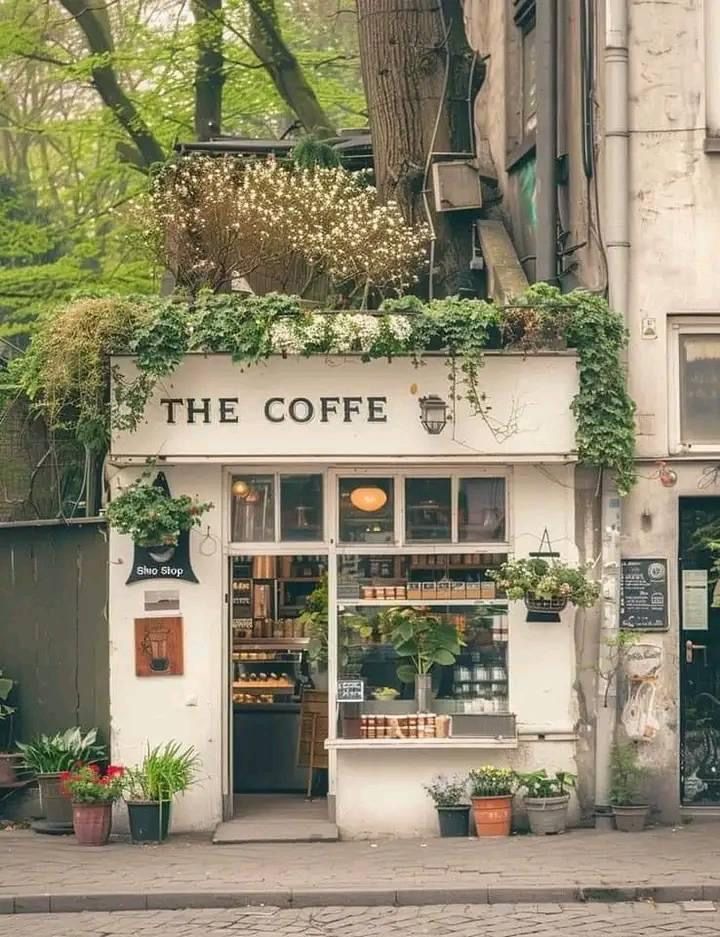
6 687
65 372
448 792
145 512
538 784
489 781
546 580
422 639
626 776
165 771
49 754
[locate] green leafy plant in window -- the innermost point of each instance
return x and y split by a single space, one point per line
420 639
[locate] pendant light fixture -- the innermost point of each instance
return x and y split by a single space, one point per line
369 499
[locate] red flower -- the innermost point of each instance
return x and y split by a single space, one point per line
115 771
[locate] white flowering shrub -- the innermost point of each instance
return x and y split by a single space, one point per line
211 220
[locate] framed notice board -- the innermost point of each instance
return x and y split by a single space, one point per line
644 594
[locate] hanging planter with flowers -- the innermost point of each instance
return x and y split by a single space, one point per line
546 585
151 516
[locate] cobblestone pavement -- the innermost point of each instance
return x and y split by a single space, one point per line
551 920
31 864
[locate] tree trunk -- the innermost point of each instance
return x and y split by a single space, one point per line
91 16
284 69
416 67
209 68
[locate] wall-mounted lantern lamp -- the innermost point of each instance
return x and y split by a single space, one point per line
433 414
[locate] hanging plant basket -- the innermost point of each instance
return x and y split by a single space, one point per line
544 609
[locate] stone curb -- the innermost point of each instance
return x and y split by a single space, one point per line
352 897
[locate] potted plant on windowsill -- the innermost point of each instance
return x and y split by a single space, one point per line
546 800
450 798
92 794
47 757
152 517
491 794
149 789
626 780
423 640
546 586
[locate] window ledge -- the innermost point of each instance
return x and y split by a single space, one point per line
420 744
712 145
518 154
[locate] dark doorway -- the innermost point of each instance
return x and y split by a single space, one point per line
699 653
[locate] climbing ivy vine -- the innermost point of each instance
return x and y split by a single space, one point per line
66 372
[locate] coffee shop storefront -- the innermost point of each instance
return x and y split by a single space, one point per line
342 491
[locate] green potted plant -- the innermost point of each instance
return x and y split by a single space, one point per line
47 756
491 794
422 640
152 517
149 789
546 586
8 775
546 800
92 794
626 781
450 798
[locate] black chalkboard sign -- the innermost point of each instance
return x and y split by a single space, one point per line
644 595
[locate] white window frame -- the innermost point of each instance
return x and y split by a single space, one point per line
400 544
277 547
677 327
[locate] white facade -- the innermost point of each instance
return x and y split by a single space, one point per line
376 791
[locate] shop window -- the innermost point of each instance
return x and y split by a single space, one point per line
699 373
301 507
386 606
367 510
529 87
481 510
521 78
253 508
427 510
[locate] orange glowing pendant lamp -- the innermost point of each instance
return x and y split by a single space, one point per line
368 499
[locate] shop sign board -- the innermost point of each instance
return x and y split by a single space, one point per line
644 594
338 406
350 691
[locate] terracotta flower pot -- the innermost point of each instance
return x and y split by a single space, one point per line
92 823
493 815
631 818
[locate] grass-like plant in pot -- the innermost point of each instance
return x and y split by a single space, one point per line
93 793
546 586
546 799
626 785
153 518
47 756
491 794
450 797
421 640
149 789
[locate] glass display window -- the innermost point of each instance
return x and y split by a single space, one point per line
366 510
400 617
301 507
428 510
273 507
253 508
481 510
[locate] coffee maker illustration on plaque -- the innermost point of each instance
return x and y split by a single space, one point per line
158 647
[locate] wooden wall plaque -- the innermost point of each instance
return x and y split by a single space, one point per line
158 647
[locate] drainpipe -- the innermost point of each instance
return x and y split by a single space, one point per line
617 245
546 141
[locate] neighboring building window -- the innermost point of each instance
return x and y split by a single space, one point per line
699 373
524 17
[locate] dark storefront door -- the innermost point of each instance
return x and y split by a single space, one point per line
699 654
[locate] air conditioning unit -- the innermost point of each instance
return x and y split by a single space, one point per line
456 185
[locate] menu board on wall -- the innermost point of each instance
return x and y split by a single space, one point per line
644 595
695 599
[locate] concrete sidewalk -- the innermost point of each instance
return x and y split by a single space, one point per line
42 873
